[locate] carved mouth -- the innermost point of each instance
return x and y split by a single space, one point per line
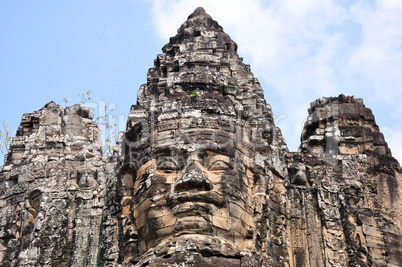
176 198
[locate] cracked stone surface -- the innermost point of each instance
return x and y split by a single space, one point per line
51 190
201 176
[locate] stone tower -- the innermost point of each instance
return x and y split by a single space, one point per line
200 151
201 176
51 191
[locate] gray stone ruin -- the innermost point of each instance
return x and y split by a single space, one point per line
201 176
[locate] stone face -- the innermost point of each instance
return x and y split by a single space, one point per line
202 176
51 190
194 156
360 193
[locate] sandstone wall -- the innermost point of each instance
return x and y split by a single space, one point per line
51 190
356 182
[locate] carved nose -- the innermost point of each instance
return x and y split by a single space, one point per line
193 180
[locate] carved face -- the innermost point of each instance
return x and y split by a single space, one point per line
198 188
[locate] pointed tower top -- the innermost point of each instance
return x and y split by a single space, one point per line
199 11
200 69
199 23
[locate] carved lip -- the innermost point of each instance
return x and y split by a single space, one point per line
209 197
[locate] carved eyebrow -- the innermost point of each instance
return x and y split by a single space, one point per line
219 156
227 151
219 162
219 165
166 151
167 164
166 159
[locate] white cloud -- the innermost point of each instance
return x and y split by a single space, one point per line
301 50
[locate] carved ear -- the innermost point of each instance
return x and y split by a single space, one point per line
135 132
297 174
34 201
128 231
259 183
126 179
127 183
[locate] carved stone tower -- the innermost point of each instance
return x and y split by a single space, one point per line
201 176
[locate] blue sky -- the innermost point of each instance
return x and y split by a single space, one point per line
299 50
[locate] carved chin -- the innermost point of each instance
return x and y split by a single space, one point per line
193 224
185 224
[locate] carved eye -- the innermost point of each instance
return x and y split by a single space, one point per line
219 165
167 166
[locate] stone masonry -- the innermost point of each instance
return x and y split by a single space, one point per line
201 176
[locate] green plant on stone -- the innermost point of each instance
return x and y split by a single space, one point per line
194 93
